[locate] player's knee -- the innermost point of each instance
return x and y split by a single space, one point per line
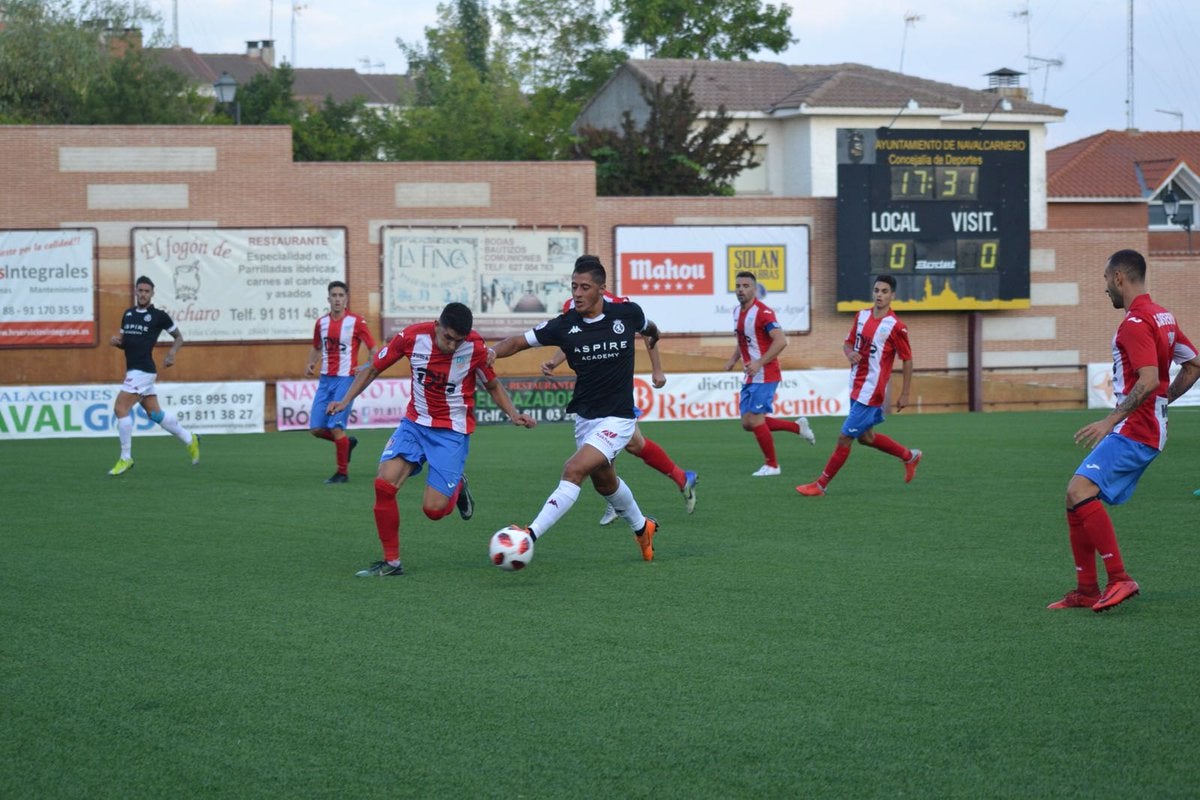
436 512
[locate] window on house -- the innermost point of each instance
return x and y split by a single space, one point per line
1158 212
754 181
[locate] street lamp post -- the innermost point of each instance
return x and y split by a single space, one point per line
1183 219
226 88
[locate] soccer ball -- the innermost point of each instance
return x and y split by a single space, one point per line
511 548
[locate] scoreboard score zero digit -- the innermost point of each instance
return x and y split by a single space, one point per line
944 211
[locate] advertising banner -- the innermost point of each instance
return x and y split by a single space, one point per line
683 276
510 278
238 284
381 405
47 287
1100 388
61 412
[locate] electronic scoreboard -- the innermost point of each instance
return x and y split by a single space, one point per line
944 211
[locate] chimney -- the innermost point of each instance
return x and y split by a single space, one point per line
262 50
1006 82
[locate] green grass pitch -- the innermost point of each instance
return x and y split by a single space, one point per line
198 631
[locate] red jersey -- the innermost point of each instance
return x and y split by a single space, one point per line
338 341
609 296
753 327
443 385
1148 336
879 341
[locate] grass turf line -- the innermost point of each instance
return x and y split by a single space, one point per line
198 630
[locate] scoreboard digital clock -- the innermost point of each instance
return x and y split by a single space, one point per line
944 211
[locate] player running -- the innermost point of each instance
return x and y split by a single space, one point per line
447 360
597 337
876 338
639 446
140 329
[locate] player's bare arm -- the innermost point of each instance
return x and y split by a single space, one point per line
314 358
505 404
510 346
733 359
361 381
778 342
548 367
650 335
657 377
169 358
118 341
852 355
1147 381
906 371
1189 372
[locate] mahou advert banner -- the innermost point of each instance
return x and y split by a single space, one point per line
683 276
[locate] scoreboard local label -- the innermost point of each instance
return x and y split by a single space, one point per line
944 211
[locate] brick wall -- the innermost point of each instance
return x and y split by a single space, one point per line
244 176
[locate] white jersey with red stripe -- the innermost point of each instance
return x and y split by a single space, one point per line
753 326
338 341
1148 336
443 384
878 341
569 303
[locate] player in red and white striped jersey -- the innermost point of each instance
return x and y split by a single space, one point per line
1128 439
760 340
336 337
448 360
876 338
647 450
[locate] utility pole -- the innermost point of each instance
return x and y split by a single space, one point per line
1129 74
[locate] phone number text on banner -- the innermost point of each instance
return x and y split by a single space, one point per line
47 287
236 284
61 412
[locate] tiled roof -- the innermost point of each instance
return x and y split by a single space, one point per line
766 86
308 84
1120 164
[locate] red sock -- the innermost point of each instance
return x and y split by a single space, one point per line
766 444
891 447
1083 553
839 456
656 457
387 519
1099 528
434 513
323 433
783 425
342 447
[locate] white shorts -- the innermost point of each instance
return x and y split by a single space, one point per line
609 435
139 383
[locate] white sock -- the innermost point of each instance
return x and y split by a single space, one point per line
170 424
557 504
125 434
626 507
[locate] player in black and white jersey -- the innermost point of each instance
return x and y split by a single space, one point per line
598 338
140 329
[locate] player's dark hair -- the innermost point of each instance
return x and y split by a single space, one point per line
457 318
1131 262
747 274
890 280
337 285
143 279
591 265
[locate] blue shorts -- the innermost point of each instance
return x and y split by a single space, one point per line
861 419
1116 465
757 398
444 450
329 389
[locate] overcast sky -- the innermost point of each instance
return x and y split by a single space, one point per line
955 41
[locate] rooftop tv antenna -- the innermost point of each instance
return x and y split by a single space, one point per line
1177 114
296 9
1129 73
1045 64
368 64
911 18
1027 14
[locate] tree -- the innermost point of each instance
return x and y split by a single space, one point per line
675 153
720 29
65 65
